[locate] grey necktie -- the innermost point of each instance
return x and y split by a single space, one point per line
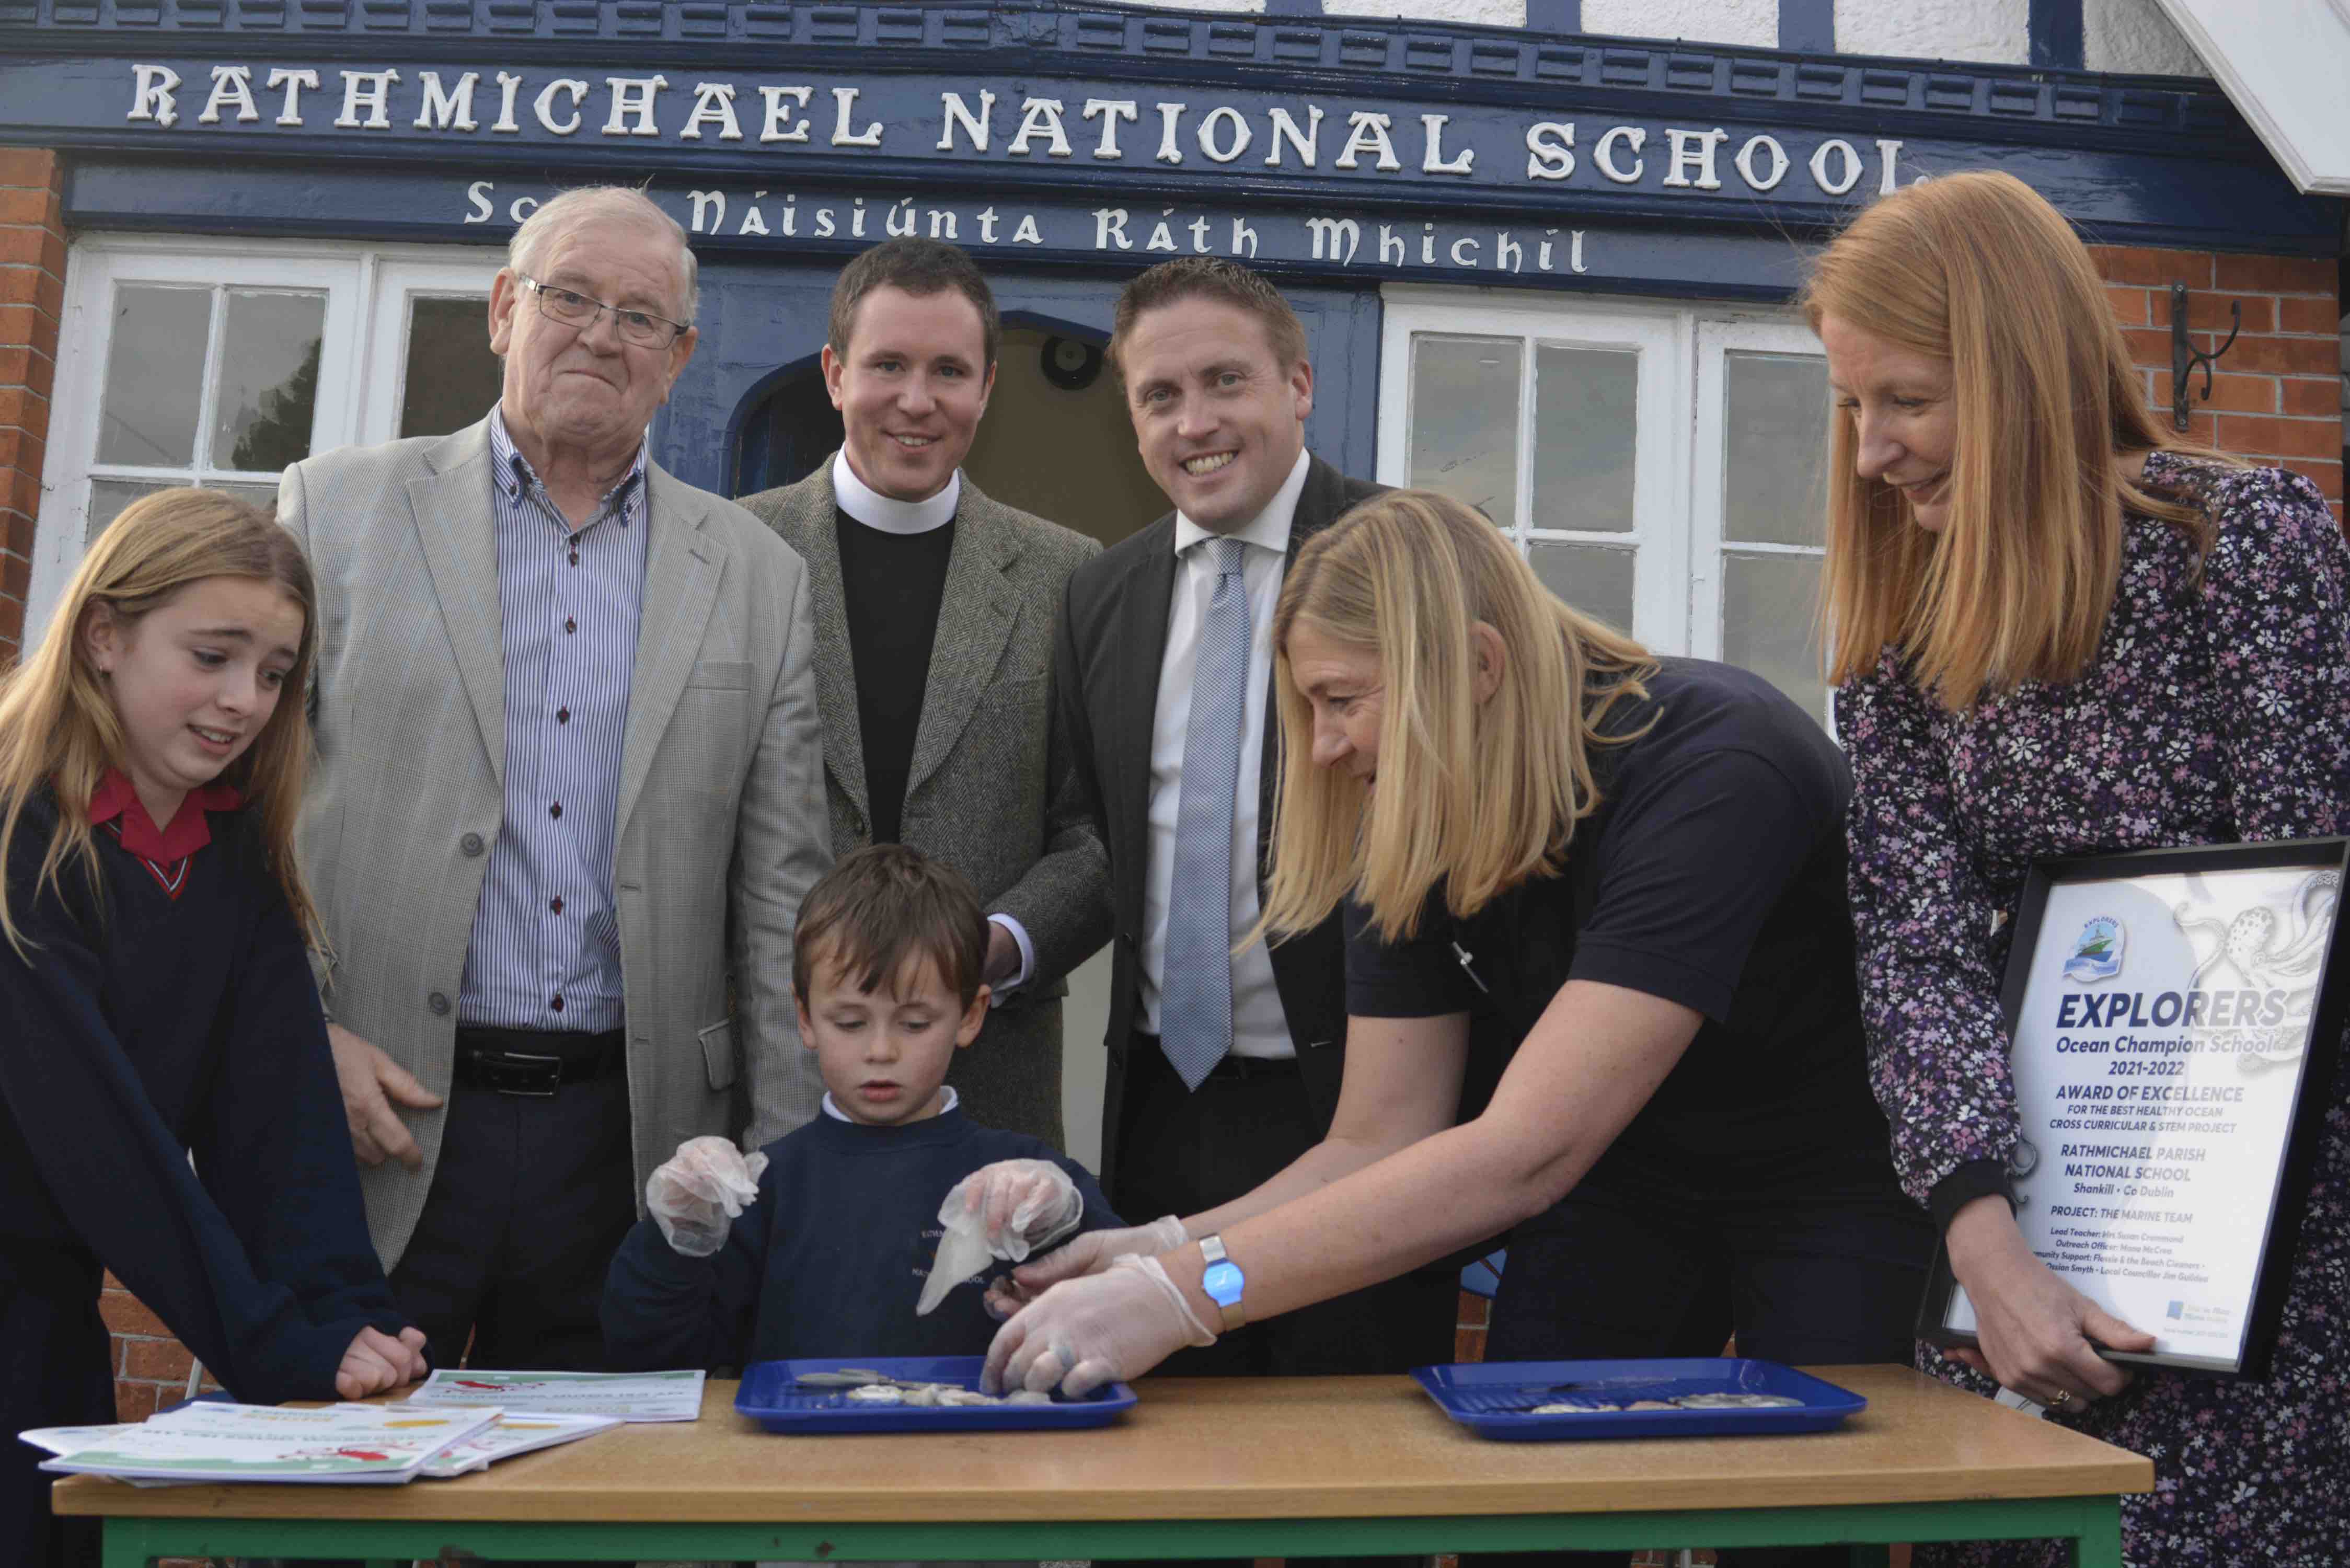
1195 1013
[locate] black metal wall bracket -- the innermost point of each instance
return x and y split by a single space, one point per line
2183 357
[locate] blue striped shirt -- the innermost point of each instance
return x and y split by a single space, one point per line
545 949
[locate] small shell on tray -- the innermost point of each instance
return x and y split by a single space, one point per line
936 1395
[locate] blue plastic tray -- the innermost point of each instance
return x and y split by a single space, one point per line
772 1395
1493 1399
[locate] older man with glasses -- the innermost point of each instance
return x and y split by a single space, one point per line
568 741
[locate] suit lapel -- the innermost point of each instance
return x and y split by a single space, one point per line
680 586
457 521
976 613
1144 598
811 528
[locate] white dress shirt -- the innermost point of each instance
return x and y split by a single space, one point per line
865 504
1260 1028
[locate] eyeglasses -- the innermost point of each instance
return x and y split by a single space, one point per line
641 327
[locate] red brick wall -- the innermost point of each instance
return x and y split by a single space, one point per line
32 299
2276 394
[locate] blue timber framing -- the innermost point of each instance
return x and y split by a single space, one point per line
1336 153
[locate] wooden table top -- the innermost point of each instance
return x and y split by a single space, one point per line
1326 1448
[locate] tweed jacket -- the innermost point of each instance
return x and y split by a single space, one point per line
720 826
1108 658
991 791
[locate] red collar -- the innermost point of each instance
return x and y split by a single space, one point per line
188 831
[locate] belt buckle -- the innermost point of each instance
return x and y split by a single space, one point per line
520 1072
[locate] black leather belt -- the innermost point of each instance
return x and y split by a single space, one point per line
1231 1066
1254 1067
524 1062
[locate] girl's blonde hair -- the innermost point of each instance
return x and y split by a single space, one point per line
1477 796
59 727
1977 270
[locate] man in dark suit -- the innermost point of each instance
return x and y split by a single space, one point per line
1223 1069
933 610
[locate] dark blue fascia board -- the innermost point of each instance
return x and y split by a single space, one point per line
1372 54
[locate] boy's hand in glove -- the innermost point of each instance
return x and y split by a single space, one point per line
697 1195
1100 1329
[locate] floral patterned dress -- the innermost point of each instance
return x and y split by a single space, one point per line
2215 710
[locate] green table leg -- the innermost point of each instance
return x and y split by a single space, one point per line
2091 1525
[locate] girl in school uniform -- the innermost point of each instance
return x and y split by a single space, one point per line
156 1000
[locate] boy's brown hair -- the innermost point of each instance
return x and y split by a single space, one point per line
883 910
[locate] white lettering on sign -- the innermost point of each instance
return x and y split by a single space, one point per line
780 101
544 106
1849 164
1307 141
152 98
1041 117
1110 111
447 108
1240 132
369 90
290 113
1550 149
1604 154
713 104
976 127
232 88
1693 151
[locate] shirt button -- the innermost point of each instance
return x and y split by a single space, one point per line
563 715
556 906
556 1004
555 810
569 626
439 1003
471 844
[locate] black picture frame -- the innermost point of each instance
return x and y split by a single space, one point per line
2289 1198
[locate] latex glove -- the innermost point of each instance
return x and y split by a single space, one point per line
698 1194
1096 1250
1082 1333
1021 1205
2039 1336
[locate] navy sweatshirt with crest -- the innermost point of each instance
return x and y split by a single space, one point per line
830 1261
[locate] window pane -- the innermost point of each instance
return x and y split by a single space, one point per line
1775 416
1586 420
267 384
1464 421
154 376
453 377
108 497
1769 617
1595 578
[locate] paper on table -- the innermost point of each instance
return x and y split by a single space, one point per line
629 1396
514 1433
206 1441
67 1439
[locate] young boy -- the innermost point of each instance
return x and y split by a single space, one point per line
820 1244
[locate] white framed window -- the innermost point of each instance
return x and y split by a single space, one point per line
1658 465
195 361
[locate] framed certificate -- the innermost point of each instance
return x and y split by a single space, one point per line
2175 1016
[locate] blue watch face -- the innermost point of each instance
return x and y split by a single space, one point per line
1223 1282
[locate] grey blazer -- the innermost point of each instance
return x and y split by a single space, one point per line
992 791
721 811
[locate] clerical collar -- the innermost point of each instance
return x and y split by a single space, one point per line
876 511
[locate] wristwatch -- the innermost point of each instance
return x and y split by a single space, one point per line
1223 1281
